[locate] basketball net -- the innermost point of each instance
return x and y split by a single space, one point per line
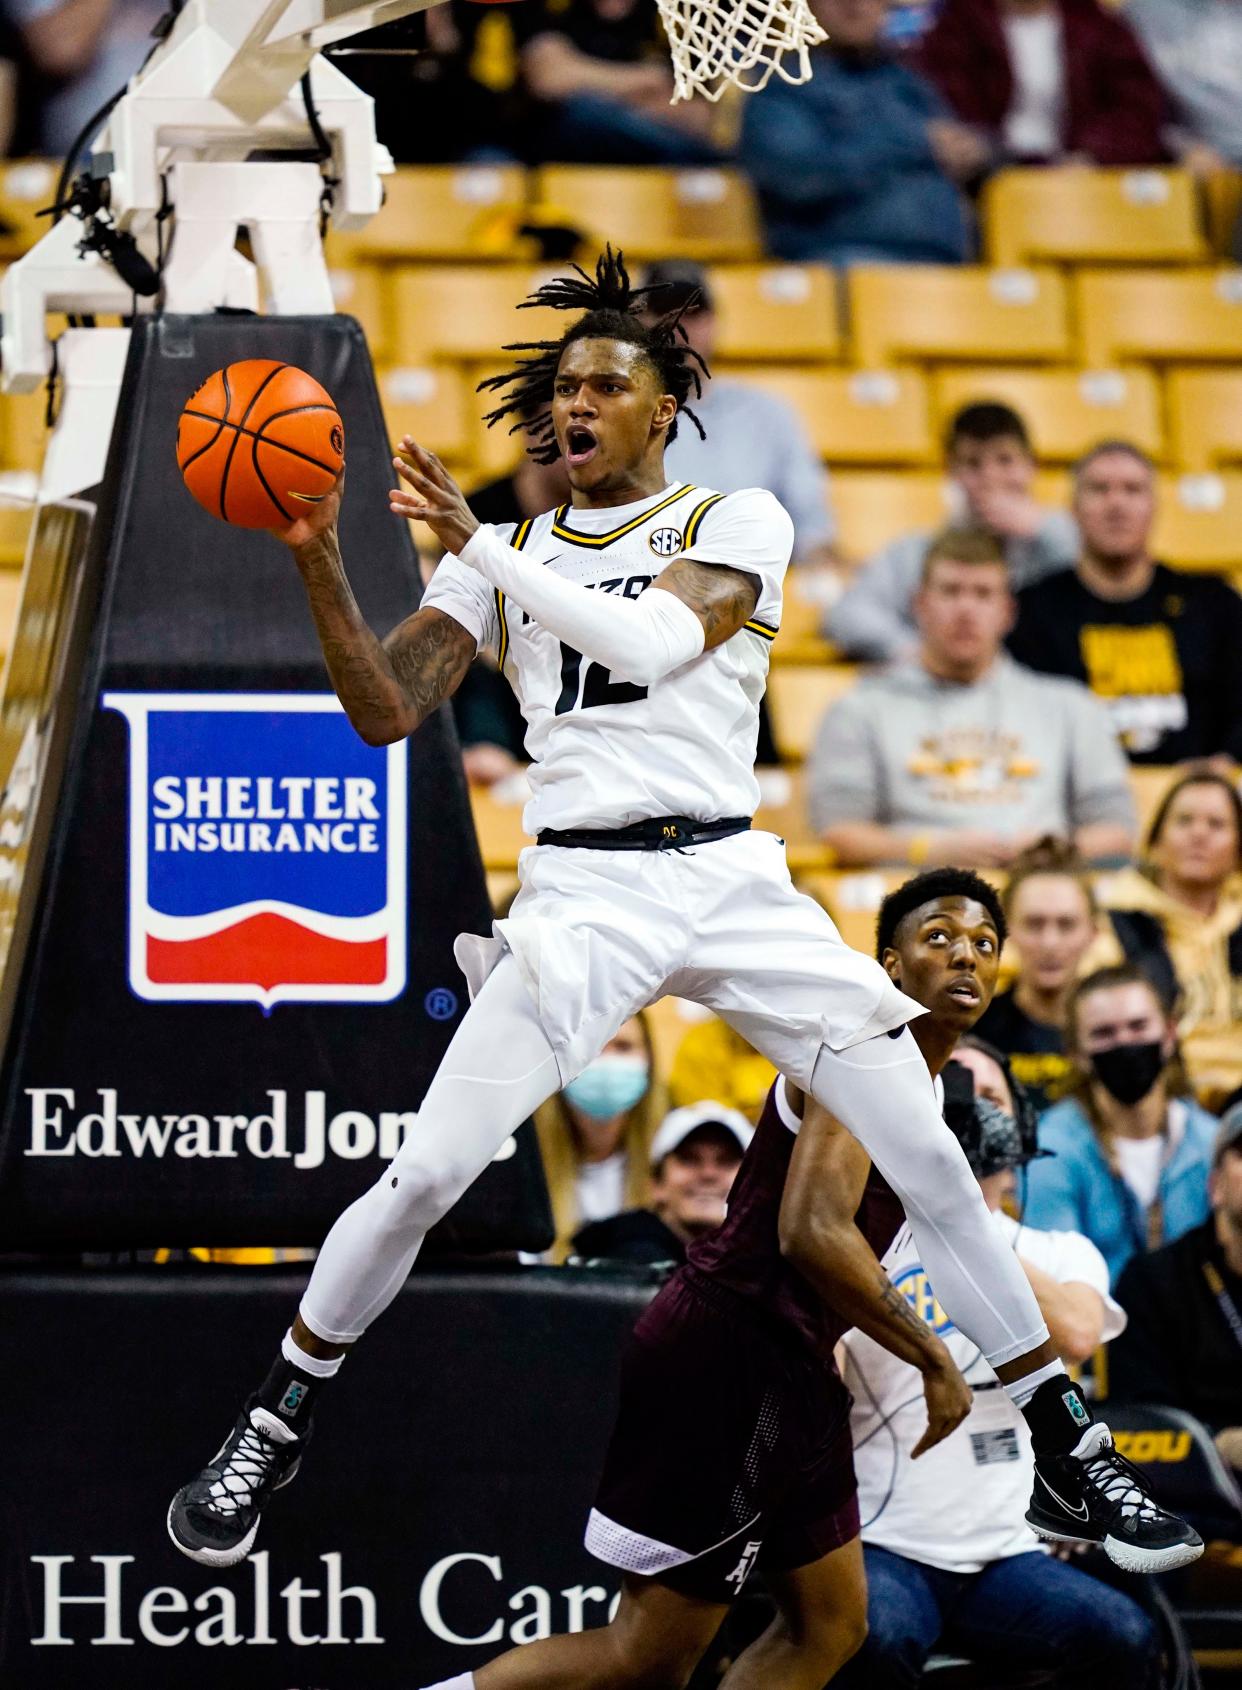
720 44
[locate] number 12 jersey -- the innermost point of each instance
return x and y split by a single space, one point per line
604 751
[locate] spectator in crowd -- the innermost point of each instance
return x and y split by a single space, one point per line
1051 910
74 56
754 439
1180 918
695 1155
489 724
862 163
595 1135
712 1057
1183 1346
600 76
1159 646
1132 1148
1047 81
988 456
950 1559
960 755
1196 47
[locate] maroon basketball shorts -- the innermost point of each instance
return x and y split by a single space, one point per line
731 1448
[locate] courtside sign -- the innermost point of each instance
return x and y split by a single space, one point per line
267 851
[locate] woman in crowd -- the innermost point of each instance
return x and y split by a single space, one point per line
595 1136
1131 1150
1180 917
1052 917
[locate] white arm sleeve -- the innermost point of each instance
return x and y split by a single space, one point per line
641 639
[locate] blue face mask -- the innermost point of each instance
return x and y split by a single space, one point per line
608 1086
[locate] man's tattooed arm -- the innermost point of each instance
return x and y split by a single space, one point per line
388 688
820 1236
723 599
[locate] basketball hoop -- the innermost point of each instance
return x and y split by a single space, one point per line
720 44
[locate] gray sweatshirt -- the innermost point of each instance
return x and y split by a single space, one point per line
873 620
1012 753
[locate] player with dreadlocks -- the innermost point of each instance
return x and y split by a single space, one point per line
634 625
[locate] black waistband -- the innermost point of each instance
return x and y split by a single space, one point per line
659 833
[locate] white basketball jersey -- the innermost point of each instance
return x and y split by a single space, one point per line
605 752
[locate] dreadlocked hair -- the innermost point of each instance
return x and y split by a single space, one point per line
611 310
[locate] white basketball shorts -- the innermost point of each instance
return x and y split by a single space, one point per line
601 934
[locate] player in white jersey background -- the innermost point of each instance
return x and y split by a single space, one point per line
635 625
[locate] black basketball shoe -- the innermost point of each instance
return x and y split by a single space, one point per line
1093 1495
215 1518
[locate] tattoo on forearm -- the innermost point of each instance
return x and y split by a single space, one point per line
900 1312
386 689
429 659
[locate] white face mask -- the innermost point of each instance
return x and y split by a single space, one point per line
609 1086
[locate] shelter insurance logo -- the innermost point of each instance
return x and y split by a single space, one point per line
267 851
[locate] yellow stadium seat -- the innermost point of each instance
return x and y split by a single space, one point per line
873 507
1199 522
1093 216
852 898
10 592
23 430
27 186
1067 411
656 213
359 290
925 311
1222 192
857 416
449 211
776 311
428 401
1158 314
1205 418
464 312
499 830
782 811
797 699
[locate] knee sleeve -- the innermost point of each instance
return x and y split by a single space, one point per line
882 1092
498 1069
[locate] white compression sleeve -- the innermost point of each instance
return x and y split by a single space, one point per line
882 1092
498 1068
639 639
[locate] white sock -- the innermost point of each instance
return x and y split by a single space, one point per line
319 1367
1020 1391
463 1681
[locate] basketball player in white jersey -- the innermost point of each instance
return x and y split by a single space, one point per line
635 626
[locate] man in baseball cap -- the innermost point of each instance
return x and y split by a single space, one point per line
694 1155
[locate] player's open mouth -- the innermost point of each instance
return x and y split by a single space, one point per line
580 446
965 991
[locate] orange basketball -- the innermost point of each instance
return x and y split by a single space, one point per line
259 442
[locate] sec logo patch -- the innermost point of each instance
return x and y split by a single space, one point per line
665 542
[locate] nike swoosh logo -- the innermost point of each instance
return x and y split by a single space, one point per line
1079 1510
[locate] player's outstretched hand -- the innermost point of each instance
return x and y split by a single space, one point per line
319 518
436 498
948 1403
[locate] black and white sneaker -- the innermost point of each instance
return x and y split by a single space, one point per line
215 1518
1094 1495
